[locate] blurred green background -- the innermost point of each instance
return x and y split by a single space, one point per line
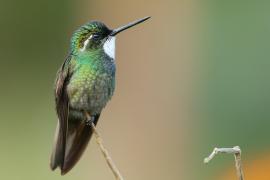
193 77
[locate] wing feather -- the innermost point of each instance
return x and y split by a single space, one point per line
62 109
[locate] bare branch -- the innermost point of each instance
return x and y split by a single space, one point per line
237 155
105 153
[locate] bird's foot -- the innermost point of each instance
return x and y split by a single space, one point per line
89 121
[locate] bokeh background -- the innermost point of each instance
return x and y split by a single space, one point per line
193 77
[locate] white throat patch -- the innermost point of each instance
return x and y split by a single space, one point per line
109 47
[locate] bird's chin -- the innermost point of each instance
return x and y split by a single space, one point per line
109 46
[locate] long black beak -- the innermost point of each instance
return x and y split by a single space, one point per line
120 29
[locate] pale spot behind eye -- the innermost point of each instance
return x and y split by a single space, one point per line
109 47
85 43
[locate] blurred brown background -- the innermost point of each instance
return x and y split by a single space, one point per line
193 77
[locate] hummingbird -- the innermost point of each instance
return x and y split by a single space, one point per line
84 84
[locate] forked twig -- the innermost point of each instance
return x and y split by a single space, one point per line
237 155
105 153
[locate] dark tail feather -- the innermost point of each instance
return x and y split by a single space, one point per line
57 156
79 134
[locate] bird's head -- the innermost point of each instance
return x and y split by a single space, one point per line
96 35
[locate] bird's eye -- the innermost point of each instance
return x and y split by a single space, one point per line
95 36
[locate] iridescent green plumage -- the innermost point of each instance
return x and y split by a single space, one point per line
92 81
86 79
84 85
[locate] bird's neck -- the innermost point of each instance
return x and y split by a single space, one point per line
89 56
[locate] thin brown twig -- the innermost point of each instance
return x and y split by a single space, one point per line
237 155
105 152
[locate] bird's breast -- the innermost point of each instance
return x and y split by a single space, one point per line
90 89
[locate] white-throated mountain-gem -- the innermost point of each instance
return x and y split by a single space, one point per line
85 83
